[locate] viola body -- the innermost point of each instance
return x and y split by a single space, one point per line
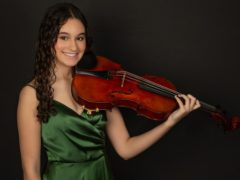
106 86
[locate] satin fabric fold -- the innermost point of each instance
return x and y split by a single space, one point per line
75 145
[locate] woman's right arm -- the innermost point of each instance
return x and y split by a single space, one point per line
29 129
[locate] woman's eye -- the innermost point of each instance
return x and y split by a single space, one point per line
81 38
63 38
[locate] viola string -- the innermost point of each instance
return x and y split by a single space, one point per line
160 89
143 80
154 85
146 82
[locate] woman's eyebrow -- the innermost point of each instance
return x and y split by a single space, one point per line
65 33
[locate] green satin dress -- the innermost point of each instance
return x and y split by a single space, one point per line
75 145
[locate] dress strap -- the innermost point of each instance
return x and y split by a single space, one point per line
31 86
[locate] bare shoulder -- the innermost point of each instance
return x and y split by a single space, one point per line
27 99
28 92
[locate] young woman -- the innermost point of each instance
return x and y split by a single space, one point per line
49 116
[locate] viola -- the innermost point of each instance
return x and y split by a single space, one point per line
108 85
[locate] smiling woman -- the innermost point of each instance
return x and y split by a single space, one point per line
71 43
49 116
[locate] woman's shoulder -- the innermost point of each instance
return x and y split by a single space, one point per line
28 92
30 84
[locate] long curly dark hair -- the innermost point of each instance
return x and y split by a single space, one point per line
44 76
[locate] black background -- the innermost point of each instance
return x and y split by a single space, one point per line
195 44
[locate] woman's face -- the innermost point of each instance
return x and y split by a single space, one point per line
71 43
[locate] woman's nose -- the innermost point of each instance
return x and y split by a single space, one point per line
73 45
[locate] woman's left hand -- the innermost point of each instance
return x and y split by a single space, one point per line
186 103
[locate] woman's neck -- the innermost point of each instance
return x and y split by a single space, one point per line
63 73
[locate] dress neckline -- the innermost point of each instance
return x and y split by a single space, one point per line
67 107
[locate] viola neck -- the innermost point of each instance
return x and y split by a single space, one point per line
172 93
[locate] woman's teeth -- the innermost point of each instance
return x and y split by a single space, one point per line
70 54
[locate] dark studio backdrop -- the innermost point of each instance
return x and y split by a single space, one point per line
194 44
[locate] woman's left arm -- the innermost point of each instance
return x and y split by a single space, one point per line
128 147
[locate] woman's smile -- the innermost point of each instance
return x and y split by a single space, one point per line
71 54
